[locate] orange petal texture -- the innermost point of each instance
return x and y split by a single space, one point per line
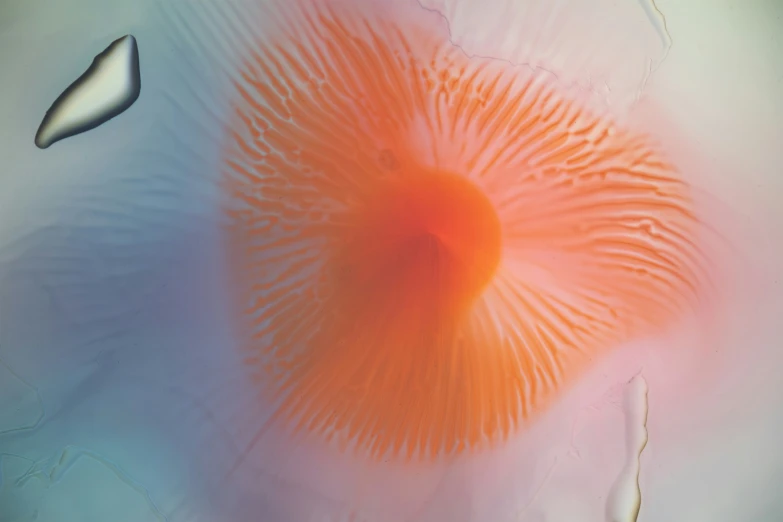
427 247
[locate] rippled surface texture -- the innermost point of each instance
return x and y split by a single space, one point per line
373 261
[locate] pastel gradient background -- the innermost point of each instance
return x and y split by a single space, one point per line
123 398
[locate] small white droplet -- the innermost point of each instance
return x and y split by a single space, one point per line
625 497
109 87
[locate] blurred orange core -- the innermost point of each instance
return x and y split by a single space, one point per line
430 242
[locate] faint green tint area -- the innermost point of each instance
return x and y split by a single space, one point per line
81 483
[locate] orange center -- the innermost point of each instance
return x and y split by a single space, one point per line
430 242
